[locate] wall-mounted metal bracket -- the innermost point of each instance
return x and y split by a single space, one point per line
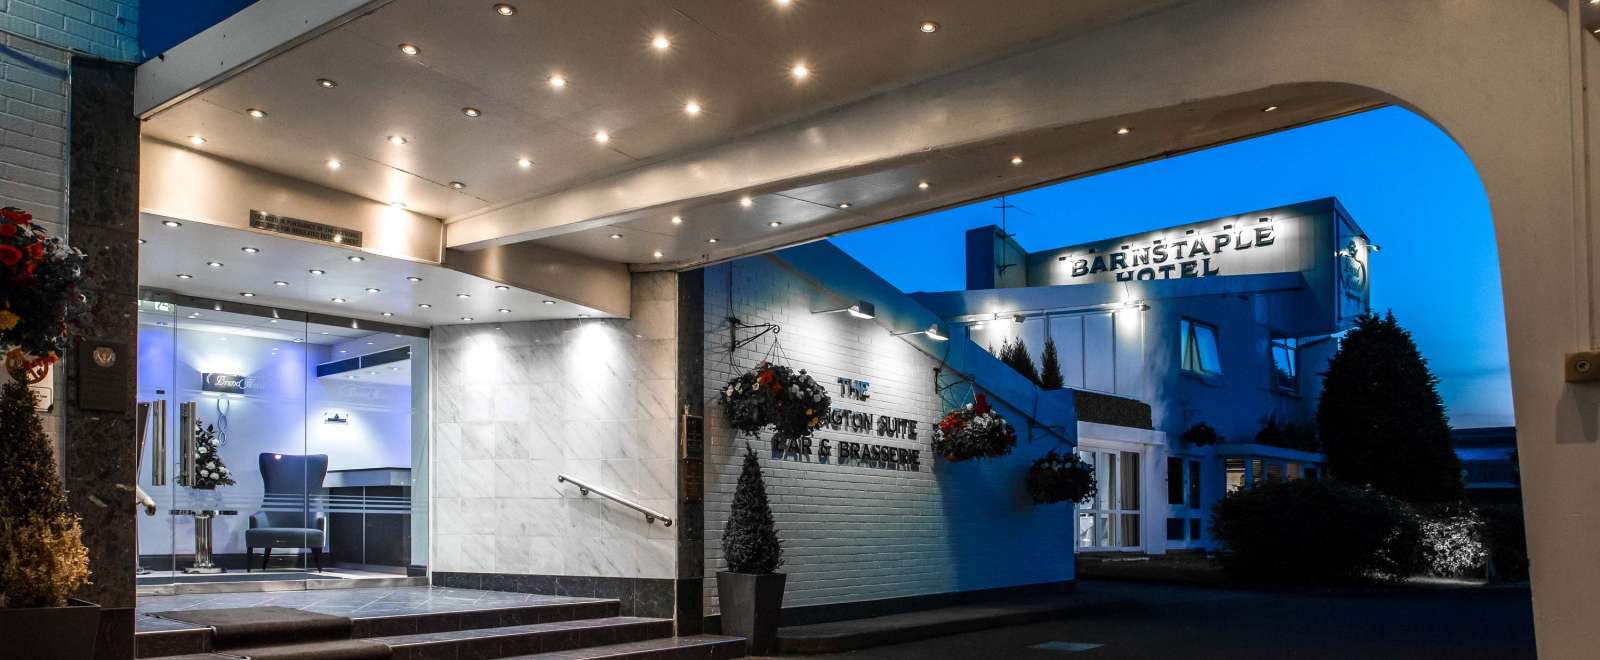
735 325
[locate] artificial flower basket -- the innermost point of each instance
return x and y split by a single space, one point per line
1061 478
39 295
973 431
791 402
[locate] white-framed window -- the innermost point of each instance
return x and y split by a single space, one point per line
1285 361
1111 519
1199 342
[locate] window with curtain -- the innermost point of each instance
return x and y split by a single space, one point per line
1285 376
1199 355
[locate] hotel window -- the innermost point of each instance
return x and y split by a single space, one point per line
1234 468
1200 356
1284 374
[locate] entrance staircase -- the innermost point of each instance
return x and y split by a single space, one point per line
579 628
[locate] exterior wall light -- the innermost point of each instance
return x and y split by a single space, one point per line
861 309
932 333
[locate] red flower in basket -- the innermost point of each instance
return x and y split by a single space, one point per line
982 405
8 229
9 255
19 217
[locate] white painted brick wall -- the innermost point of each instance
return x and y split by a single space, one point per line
105 28
33 129
858 533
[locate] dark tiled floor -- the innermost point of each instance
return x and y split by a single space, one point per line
353 603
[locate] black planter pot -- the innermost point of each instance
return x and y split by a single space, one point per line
50 633
751 607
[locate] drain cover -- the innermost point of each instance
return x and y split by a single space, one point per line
1069 647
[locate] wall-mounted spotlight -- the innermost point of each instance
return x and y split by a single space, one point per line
932 333
861 309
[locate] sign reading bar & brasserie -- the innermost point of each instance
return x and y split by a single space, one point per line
850 452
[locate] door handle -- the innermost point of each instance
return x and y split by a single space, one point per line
186 421
158 444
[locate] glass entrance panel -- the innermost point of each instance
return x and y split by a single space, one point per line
1111 520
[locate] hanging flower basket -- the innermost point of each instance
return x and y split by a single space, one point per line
973 431
39 295
1061 478
789 401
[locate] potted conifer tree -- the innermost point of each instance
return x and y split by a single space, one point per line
42 558
751 590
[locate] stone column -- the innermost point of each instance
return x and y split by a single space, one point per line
103 221
690 609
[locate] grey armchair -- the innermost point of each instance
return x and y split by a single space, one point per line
290 481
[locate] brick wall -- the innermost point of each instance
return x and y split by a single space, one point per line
850 532
105 28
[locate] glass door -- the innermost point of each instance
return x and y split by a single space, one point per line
1112 519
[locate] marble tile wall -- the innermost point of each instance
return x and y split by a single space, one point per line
516 404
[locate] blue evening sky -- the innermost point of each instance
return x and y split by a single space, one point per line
1405 182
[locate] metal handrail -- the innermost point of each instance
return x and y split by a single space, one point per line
649 516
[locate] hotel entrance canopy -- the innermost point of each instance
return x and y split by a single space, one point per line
679 132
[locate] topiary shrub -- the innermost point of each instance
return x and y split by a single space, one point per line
1200 435
750 541
1315 531
42 558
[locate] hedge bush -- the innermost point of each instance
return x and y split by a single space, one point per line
1453 541
1316 531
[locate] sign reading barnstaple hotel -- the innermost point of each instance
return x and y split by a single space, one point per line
839 451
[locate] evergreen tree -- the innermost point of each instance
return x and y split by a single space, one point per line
1016 355
1050 373
1381 420
750 542
42 558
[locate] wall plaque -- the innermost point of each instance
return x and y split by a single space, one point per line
105 370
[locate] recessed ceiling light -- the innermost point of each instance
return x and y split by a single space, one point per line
249 250
782 3
471 112
602 137
549 302
661 42
504 310
1016 160
463 296
356 258
323 332
524 163
333 164
409 49
142 241
258 113
1124 130
466 318
396 140
928 27
196 140
343 351
844 205
656 254
172 223
616 236
214 264
677 219
746 201
397 205
558 81
922 185
279 283
337 300
298 340
775 223
800 71
504 9
711 240
317 271
583 316
185 276
413 278
457 185
326 83
247 294
692 107
424 306
388 313
501 287
1270 108
373 289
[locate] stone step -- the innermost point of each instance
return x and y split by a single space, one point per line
509 641
177 639
697 647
